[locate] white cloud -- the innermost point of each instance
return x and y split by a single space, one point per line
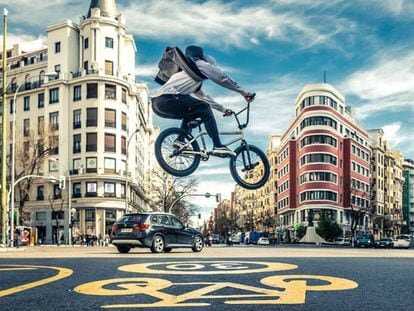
146 70
26 42
225 24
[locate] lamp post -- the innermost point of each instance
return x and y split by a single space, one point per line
51 178
126 169
69 200
13 164
4 137
207 195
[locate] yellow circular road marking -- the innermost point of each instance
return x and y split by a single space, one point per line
219 267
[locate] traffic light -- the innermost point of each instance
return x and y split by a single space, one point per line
62 182
218 197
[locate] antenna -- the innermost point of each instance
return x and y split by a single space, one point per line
324 76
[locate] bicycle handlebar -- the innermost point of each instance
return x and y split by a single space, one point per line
249 100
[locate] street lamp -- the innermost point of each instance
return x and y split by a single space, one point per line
69 200
13 164
126 169
51 178
207 195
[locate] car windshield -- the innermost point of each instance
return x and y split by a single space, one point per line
132 218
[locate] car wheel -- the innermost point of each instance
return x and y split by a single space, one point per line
167 249
123 249
198 244
157 244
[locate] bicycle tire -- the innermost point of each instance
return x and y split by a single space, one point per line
166 139
241 177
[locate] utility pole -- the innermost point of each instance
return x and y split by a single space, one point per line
4 217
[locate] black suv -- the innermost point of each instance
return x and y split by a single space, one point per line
158 231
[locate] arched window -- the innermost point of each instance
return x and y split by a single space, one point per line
27 84
13 84
41 77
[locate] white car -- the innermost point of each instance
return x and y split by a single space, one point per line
342 241
263 241
403 241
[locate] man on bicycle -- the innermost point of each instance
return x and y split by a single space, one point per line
181 97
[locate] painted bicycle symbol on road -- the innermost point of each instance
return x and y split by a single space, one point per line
275 289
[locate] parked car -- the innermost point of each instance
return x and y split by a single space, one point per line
384 243
403 241
158 231
342 241
263 241
365 240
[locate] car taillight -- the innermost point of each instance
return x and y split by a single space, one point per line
142 227
114 228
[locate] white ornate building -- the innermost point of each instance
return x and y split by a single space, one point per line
88 113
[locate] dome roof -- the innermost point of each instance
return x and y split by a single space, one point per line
107 7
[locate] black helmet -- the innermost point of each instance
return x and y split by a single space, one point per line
194 51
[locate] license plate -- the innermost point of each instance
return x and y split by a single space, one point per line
126 230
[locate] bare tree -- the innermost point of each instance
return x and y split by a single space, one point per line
167 189
30 156
56 205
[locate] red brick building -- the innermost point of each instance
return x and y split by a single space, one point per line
324 160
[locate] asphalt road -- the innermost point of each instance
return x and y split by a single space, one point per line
164 283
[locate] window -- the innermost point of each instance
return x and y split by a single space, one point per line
91 142
109 189
318 196
318 121
318 139
92 90
26 103
40 193
11 105
54 121
57 192
40 100
57 47
164 220
86 43
318 176
109 68
40 125
110 143
91 116
76 190
110 91
77 143
26 127
91 165
318 158
110 118
123 145
54 96
176 223
109 42
77 166
110 165
57 69
124 96
123 191
91 189
77 93
77 119
54 144
41 216
124 121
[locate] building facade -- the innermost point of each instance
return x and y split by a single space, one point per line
323 162
408 196
78 98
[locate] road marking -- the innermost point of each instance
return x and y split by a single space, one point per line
62 273
216 267
280 289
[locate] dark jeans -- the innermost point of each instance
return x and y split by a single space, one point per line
187 108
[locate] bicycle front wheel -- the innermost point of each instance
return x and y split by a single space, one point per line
177 161
250 167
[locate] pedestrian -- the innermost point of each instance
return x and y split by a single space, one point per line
16 237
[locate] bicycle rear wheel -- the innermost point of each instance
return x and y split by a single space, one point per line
171 159
250 167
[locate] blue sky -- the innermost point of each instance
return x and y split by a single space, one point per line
271 47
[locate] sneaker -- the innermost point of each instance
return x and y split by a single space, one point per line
178 144
223 151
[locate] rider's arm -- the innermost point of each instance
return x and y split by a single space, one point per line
216 75
205 97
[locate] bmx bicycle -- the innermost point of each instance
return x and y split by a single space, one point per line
249 167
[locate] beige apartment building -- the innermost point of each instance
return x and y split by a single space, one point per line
386 218
96 120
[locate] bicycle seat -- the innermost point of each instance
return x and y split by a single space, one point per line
194 124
